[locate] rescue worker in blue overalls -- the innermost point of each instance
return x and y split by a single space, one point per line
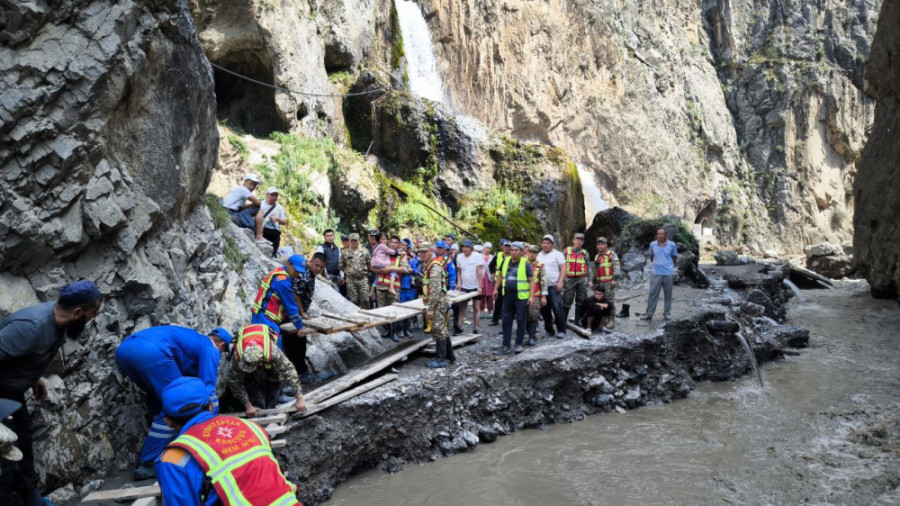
152 358
275 303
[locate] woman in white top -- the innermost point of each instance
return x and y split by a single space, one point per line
486 301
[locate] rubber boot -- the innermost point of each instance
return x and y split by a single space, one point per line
427 325
625 312
451 357
393 327
532 334
440 361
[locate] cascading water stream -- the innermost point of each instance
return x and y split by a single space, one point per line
750 354
593 198
421 65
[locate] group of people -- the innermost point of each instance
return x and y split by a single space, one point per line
199 455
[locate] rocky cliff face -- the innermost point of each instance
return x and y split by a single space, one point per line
877 186
747 115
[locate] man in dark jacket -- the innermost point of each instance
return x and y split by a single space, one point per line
29 340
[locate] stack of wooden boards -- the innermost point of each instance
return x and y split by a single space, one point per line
346 387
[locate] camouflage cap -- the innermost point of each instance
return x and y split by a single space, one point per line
252 358
8 450
354 237
374 231
579 235
425 246
602 239
534 248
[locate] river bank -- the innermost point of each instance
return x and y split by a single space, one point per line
427 414
826 429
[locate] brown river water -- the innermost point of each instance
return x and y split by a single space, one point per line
824 430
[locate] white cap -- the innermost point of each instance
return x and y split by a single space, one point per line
271 189
251 177
479 248
454 247
488 245
549 237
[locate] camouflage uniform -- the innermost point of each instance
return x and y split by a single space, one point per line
383 294
610 291
253 371
534 312
437 301
355 264
575 289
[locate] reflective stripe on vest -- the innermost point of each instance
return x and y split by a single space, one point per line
256 335
536 286
236 456
603 273
576 266
426 278
385 279
269 300
499 265
521 278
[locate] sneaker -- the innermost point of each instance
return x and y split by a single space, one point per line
532 342
457 331
395 338
548 335
560 335
519 349
665 317
436 364
504 350
144 471
646 317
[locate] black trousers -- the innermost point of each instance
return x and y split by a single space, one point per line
19 476
498 307
262 392
295 349
514 309
275 236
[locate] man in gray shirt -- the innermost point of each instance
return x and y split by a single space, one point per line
29 340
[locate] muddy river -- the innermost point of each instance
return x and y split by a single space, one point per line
825 429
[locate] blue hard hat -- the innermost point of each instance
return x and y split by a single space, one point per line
185 396
440 244
222 334
299 262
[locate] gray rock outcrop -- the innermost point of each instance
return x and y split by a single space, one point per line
877 185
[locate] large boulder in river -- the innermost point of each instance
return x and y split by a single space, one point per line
608 223
876 190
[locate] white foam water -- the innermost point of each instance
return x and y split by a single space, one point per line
593 197
421 66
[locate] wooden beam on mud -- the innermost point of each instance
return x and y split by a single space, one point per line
361 389
581 331
457 341
123 494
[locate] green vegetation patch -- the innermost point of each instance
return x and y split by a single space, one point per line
220 215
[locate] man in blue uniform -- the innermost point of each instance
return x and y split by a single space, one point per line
275 303
29 340
155 357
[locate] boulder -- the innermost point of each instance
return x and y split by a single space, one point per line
354 192
833 266
727 257
823 250
608 223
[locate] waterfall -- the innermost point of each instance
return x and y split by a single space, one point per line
421 65
593 198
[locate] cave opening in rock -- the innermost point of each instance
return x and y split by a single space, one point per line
704 223
243 104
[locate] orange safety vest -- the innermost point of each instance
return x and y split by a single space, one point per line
385 279
237 457
603 272
268 300
426 285
445 263
256 335
576 266
536 286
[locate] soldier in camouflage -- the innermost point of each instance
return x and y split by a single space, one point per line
383 283
606 273
355 264
255 379
434 288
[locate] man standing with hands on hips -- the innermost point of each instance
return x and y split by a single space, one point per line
663 254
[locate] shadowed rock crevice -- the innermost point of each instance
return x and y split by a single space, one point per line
244 104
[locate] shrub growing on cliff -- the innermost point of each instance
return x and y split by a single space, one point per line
220 216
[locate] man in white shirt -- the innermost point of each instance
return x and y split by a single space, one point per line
270 218
244 205
470 269
554 264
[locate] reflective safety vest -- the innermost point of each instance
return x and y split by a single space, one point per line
521 278
499 265
576 265
445 263
426 284
385 279
536 286
268 301
237 458
256 335
603 272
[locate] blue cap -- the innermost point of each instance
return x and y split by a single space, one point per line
440 244
503 242
185 396
222 334
78 293
469 243
408 242
299 262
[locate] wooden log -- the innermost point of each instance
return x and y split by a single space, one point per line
327 325
459 296
581 331
361 389
148 501
123 494
287 407
809 276
359 374
416 304
457 341
269 419
278 443
275 430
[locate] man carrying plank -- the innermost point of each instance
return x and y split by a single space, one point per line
216 458
258 368
155 357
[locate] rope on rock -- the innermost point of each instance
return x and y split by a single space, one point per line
435 211
304 93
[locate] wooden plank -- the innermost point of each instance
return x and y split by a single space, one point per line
276 430
328 325
459 296
359 374
357 318
581 331
391 314
457 341
266 420
278 443
148 501
416 304
361 389
123 494
287 407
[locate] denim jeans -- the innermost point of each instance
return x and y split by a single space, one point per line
554 310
